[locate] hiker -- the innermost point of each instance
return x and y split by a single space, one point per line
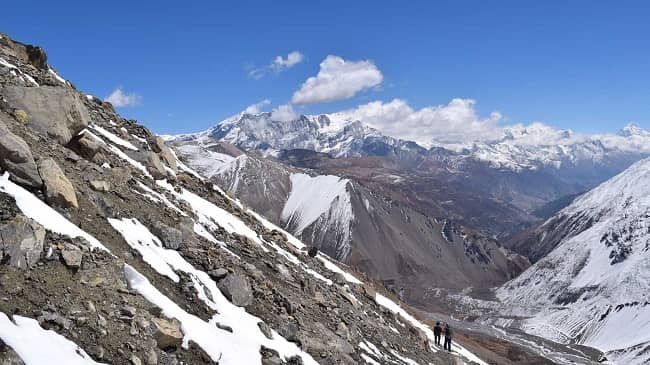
448 335
437 330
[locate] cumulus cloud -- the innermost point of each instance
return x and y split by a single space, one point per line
456 122
121 99
279 64
283 113
257 107
338 79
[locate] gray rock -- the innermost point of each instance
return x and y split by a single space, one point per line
21 242
236 289
16 158
135 360
170 237
58 189
343 331
167 333
72 258
100 185
55 111
158 145
266 330
218 274
289 330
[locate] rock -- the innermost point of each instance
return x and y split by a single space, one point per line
21 116
266 330
167 333
100 185
135 360
312 251
55 111
339 279
343 346
270 357
170 237
158 145
155 167
36 56
86 145
16 158
289 330
151 357
369 291
58 189
21 242
128 311
236 289
218 274
343 331
72 258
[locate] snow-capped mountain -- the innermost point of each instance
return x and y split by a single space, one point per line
593 288
520 148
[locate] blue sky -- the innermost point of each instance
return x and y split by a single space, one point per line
583 65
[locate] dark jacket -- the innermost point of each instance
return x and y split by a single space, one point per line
448 332
437 330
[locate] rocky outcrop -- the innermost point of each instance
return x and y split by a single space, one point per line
86 146
16 158
236 289
167 333
158 145
21 242
54 111
58 189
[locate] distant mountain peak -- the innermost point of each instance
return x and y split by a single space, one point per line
633 129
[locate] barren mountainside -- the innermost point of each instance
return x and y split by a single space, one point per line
113 250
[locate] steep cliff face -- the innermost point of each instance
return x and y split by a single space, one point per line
112 250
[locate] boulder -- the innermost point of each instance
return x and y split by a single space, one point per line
21 242
170 237
100 185
158 145
55 111
72 257
218 274
236 288
8 356
86 145
16 158
167 333
58 189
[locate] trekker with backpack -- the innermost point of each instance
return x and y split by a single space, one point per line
448 335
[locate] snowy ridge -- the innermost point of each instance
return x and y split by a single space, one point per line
520 147
324 200
594 287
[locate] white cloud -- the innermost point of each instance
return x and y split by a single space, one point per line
283 113
279 64
257 107
292 59
121 99
456 122
338 79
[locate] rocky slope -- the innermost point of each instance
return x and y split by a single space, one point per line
114 251
390 241
592 287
